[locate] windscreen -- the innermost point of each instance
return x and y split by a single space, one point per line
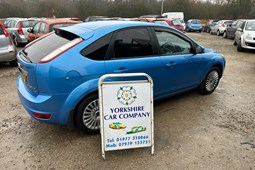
27 24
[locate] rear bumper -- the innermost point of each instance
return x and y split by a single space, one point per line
42 104
8 54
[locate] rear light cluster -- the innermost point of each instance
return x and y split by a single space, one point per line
223 25
20 31
5 31
61 50
41 116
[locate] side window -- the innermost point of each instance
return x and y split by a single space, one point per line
36 28
132 43
242 26
98 49
43 28
12 24
172 44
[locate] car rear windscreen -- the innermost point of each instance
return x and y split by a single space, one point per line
27 24
196 22
59 26
40 49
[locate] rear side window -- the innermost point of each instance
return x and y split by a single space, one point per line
98 49
132 42
40 49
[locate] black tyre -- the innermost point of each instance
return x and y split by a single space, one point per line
225 35
87 117
211 32
211 81
235 42
218 33
15 41
13 63
239 46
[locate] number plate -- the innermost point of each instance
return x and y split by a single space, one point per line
23 74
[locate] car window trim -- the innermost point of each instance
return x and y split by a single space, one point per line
110 51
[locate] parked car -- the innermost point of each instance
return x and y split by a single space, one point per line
220 27
7 48
193 25
43 27
144 19
94 18
209 24
17 28
245 36
231 29
60 71
170 22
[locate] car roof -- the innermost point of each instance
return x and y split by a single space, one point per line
89 28
59 20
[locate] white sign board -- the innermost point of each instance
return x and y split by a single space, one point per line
126 114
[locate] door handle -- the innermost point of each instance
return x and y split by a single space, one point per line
121 70
171 64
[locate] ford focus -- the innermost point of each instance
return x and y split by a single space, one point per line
59 72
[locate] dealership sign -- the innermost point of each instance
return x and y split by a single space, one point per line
126 112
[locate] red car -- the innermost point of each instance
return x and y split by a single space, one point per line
43 27
170 22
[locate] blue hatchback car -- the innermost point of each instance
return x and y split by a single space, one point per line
59 72
193 25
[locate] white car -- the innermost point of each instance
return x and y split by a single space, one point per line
245 36
220 27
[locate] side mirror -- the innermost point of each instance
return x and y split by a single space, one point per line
30 30
239 29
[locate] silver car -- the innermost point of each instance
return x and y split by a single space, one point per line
17 27
220 27
245 36
7 48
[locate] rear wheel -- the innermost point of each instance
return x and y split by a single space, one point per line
211 81
15 41
218 33
87 118
211 32
225 34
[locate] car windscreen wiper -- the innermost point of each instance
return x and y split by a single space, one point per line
24 53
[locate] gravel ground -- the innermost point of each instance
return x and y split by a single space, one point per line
192 131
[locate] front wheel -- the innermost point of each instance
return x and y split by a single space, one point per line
211 81
239 46
87 117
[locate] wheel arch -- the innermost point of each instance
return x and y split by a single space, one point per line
73 100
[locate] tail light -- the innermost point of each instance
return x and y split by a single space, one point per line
223 25
41 116
61 50
20 31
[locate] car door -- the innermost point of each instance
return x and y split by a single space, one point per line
231 29
239 33
132 51
182 68
35 31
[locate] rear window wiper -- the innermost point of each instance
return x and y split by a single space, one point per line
25 55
